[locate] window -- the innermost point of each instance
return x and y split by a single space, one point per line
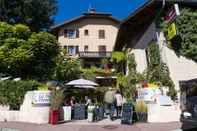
71 33
101 34
86 32
73 50
102 48
86 48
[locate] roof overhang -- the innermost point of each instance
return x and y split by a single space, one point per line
147 12
97 15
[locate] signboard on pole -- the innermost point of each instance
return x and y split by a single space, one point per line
41 97
171 31
172 13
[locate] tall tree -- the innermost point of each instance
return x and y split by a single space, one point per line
37 14
26 54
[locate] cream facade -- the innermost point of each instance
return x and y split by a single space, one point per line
91 35
92 40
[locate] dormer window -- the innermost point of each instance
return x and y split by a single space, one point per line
71 33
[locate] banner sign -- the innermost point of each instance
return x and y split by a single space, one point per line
148 94
172 13
171 31
41 97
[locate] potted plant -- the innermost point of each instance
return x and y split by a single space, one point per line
141 111
56 102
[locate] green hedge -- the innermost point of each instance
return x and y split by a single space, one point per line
12 92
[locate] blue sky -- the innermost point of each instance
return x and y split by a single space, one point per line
119 8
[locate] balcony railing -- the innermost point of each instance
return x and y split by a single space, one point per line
90 54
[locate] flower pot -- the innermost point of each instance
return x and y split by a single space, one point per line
90 117
67 113
142 116
54 116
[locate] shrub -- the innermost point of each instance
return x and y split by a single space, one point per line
141 106
12 92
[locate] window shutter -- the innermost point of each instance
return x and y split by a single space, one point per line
77 33
77 49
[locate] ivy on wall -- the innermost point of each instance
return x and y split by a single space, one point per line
158 71
185 43
127 83
187 30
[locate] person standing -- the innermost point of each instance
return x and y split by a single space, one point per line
88 101
109 99
119 103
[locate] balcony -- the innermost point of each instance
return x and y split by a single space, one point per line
91 54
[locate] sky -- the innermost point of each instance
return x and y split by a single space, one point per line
120 9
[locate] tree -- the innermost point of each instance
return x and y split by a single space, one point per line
67 68
44 48
37 14
26 54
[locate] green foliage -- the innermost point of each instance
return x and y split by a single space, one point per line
187 25
44 48
154 55
131 63
35 13
42 87
89 74
118 56
57 99
157 71
186 42
127 84
140 106
67 69
24 54
12 92
119 60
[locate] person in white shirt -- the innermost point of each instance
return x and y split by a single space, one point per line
119 103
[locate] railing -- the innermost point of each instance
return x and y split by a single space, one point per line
90 54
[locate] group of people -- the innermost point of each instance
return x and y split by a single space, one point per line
72 101
114 102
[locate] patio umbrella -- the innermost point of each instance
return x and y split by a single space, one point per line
85 87
82 83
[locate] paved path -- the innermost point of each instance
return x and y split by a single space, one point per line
92 127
